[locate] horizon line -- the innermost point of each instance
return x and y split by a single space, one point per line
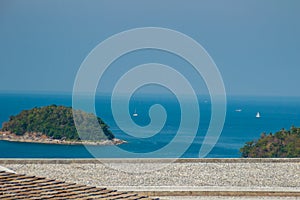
44 92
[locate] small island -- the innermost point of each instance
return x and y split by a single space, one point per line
282 144
55 125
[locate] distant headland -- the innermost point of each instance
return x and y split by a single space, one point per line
55 125
282 144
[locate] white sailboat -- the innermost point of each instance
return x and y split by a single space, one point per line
135 113
257 115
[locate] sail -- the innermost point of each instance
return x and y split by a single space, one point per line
258 115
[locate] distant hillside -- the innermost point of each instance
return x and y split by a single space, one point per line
283 144
57 122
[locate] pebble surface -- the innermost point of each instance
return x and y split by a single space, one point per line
175 174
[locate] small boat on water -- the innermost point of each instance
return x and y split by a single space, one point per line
135 113
238 110
257 115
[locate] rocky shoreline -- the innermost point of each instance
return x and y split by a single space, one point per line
43 139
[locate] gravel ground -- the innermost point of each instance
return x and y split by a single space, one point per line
176 174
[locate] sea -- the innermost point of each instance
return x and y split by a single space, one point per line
241 125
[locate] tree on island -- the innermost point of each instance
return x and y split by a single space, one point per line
57 122
282 144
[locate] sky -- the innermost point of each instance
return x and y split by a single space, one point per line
255 44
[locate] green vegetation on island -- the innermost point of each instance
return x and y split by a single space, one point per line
283 144
56 122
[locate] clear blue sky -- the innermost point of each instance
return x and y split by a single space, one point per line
255 43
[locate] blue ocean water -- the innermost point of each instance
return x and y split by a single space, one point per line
240 126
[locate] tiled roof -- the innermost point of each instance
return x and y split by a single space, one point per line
19 186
